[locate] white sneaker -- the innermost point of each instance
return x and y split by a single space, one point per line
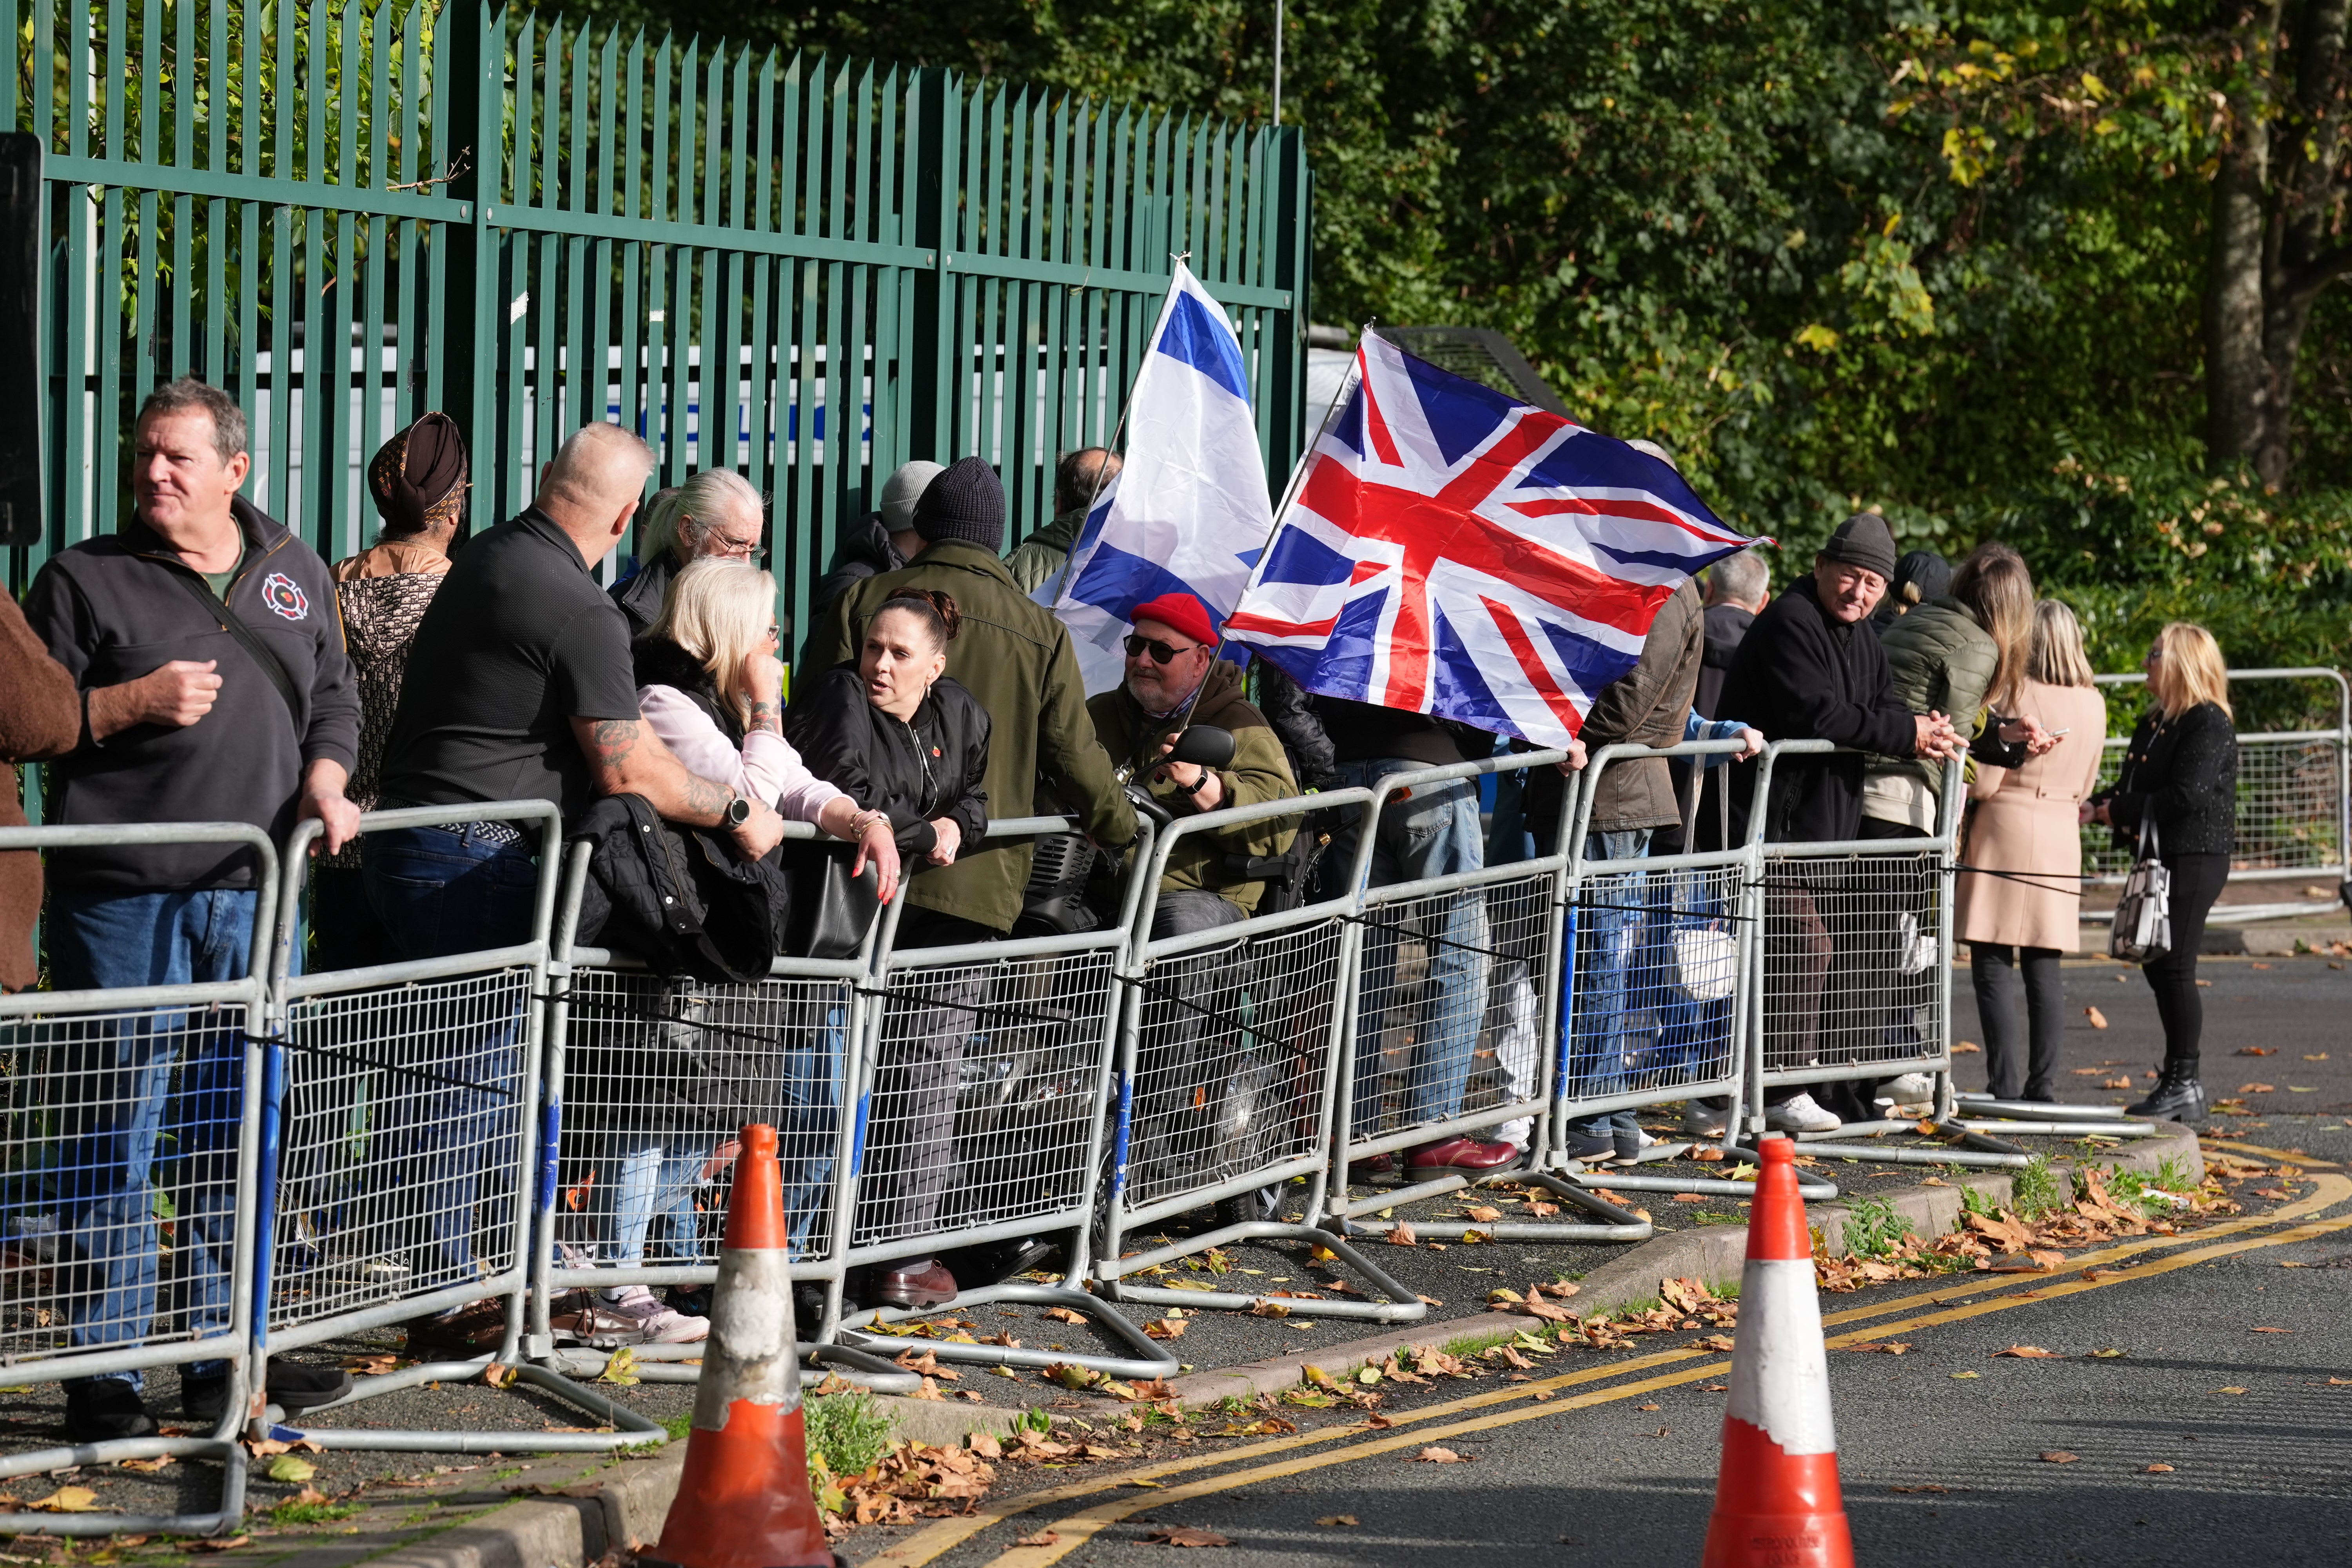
1704 1120
1800 1115
663 1324
1911 1088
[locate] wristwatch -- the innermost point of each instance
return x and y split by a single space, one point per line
738 812
1197 785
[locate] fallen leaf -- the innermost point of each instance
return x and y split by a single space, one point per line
2167 1470
1169 1328
149 1467
1401 1235
1716 1343
2320 1057
1929 1487
1347 1520
2098 1021
1706 1156
2107 1354
1268 1308
287 1468
372 1365
1966 1049
2257 1088
1964 1377
68 1500
2255 1051
2060 1456
1043 1538
985 1444
1184 1535
1689 1198
220 1543
1484 1216
2258 966
620 1368
2030 1353
2232 1389
1063 1315
1645 1408
1438 1456
2273 1330
1884 1347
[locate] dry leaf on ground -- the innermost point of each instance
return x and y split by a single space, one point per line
66 1500
1401 1235
1349 1519
1882 1347
1063 1315
2060 1456
2098 1019
2030 1353
1434 1455
1185 1535
2159 1470
1043 1538
2273 1330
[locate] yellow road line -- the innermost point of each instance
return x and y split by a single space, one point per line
2288 1155
936 1538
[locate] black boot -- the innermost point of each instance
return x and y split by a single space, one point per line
2178 1097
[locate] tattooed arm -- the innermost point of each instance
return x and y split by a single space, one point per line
626 757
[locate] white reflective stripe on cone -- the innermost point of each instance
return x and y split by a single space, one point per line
1780 1373
750 1354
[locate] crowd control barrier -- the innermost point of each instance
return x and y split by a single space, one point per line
2294 805
124 1105
649 1080
980 1088
1661 981
1444 964
398 1140
1229 1046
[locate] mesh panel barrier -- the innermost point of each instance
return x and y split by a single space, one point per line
1850 956
1449 1003
2289 813
659 1077
120 1213
404 1147
1658 956
986 1081
1229 1054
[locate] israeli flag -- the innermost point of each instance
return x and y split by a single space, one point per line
1188 513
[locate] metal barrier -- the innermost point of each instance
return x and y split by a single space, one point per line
2293 805
648 1082
1229 1052
1485 960
116 1100
980 1087
397 1174
1662 987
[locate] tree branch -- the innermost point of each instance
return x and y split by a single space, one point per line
2306 283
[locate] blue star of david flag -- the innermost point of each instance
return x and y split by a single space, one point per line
1190 512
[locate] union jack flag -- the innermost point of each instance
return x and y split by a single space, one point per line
1455 553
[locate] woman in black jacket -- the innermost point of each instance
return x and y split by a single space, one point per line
898 736
2179 782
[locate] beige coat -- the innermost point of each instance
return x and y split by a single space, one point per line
2024 821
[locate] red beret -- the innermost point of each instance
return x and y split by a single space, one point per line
1179 613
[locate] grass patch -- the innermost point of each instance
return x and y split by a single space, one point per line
1873 1229
2172 1176
2033 1191
677 1427
847 1433
1977 1201
290 1512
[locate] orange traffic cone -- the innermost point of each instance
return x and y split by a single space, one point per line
744 1501
1776 1498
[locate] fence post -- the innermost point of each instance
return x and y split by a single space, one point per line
467 98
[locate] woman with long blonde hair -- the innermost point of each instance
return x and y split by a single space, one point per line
2176 799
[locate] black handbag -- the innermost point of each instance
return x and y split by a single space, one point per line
831 910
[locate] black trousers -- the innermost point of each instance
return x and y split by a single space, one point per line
2196 882
2020 1066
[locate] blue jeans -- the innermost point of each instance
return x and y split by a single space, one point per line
1605 985
121 1107
440 892
1435 833
657 1181
807 1123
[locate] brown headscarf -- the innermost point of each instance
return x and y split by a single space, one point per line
418 478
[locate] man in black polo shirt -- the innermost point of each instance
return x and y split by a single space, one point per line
519 687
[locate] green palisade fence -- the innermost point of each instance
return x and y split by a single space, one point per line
811 270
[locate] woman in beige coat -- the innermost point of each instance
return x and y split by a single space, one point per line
2026 908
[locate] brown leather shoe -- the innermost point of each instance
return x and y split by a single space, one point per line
916 1284
1365 1170
476 1326
1460 1155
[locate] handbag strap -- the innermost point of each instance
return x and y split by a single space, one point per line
2149 848
246 639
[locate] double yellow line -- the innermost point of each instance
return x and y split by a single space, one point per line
1969 1297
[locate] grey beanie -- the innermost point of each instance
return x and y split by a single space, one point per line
1863 539
967 503
902 489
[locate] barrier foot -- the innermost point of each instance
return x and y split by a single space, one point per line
683 1363
1618 1224
39 1461
629 1428
1813 1191
2037 1109
1402 1306
2059 1128
2015 1161
1151 1360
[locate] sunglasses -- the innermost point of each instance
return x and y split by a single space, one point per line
1161 652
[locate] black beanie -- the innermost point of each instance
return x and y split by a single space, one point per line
1863 539
967 502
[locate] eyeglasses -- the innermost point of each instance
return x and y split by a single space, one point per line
1161 652
774 635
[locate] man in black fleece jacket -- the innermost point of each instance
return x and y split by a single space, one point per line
214 688
1810 669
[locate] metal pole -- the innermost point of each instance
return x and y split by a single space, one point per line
1277 62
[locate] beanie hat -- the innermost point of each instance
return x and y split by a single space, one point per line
967 502
902 489
1863 539
1179 613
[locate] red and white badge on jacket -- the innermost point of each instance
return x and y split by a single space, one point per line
283 594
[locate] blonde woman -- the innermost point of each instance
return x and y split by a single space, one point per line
2179 782
2025 908
711 685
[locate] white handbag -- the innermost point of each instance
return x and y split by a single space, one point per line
2143 930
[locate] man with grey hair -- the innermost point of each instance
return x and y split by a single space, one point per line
714 512
1078 478
519 687
1737 588
214 688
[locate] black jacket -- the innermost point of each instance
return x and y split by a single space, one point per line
934 766
1291 711
1802 675
116 607
678 898
1726 626
865 551
2183 774
640 595
657 662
